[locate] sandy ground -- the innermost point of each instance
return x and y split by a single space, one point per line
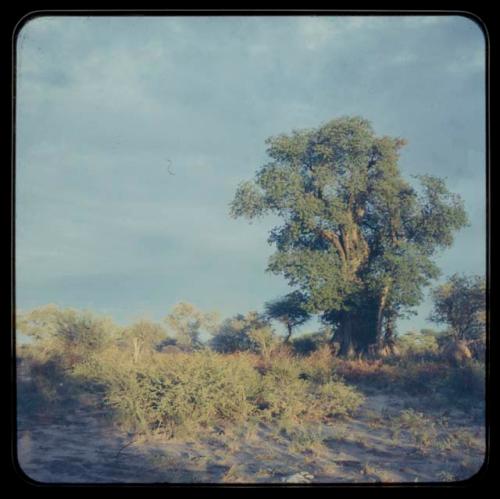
83 446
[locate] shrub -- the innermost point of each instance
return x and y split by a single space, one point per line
459 384
419 344
175 393
45 382
71 334
308 343
318 366
334 398
283 395
289 397
466 382
420 428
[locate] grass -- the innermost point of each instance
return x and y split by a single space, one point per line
420 428
305 439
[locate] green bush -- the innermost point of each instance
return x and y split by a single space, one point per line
319 365
335 399
308 343
283 394
175 393
466 382
45 382
419 344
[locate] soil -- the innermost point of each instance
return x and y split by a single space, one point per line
84 446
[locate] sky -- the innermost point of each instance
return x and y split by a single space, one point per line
133 133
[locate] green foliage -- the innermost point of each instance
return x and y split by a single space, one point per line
186 322
289 310
318 366
308 343
186 392
265 341
177 391
419 343
72 332
461 304
283 394
39 323
308 438
142 337
467 382
335 398
420 428
240 333
355 236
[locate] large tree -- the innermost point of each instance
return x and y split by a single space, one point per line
356 238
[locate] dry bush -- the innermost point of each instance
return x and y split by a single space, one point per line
319 365
359 370
418 377
180 392
283 395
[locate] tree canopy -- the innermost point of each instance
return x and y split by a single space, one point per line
241 332
186 322
356 238
289 310
143 336
461 304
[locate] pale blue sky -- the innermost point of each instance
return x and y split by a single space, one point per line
106 106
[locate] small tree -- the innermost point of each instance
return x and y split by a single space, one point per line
40 323
186 323
143 336
69 333
236 333
461 304
290 311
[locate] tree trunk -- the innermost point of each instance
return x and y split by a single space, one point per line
357 329
390 328
137 350
380 316
289 335
345 337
